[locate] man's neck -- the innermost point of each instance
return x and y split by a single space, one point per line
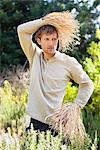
48 56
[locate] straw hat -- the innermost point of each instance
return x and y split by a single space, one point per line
66 25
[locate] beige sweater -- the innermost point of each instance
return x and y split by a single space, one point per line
48 79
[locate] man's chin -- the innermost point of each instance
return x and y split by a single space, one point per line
51 51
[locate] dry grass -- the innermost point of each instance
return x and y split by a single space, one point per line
68 120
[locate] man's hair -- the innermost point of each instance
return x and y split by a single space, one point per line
45 29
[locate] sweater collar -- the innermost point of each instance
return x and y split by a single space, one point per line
51 59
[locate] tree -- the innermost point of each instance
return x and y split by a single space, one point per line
13 13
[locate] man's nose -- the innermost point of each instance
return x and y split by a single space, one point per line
50 42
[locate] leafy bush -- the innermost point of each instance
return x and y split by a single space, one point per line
92 66
71 93
12 107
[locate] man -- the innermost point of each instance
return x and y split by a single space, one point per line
51 70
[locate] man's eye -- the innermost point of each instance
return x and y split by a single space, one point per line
54 39
47 39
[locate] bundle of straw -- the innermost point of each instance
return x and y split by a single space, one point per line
68 120
67 26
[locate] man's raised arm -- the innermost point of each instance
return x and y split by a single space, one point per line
25 32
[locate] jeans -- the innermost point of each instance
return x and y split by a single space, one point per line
40 126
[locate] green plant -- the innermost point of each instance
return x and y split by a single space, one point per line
71 93
91 112
92 67
12 107
34 140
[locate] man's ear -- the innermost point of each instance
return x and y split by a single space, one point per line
39 41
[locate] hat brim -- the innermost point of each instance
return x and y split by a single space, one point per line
66 25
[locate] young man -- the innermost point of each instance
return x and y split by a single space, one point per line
51 70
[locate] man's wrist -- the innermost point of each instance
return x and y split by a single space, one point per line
79 104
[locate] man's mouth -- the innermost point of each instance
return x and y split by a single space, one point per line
51 48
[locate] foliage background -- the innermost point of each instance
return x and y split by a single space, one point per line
15 12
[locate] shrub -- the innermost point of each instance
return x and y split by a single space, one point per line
12 107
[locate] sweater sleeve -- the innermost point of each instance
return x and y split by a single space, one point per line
86 86
25 32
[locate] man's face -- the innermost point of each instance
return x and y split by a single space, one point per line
48 42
